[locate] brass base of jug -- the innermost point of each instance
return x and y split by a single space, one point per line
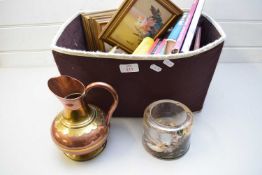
80 130
88 156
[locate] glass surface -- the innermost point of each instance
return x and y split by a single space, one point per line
167 129
168 114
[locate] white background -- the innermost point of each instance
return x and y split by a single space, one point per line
27 27
226 138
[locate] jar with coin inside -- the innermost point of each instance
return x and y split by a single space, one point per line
167 129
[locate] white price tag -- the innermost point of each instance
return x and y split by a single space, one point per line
155 68
168 63
128 68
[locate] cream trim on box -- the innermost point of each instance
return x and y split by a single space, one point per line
102 55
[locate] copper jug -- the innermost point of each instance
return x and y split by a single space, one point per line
80 130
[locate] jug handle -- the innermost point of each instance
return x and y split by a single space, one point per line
110 89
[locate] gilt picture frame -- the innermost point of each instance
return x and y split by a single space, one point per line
93 24
138 19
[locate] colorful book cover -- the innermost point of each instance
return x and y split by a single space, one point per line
144 46
153 46
177 29
171 40
156 47
185 28
192 29
163 50
197 38
161 47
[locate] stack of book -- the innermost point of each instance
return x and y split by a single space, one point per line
184 36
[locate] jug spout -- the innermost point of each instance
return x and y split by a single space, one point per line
70 92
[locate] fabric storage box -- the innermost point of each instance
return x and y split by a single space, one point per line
187 81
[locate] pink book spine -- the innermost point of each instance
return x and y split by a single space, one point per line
153 46
198 38
160 47
185 28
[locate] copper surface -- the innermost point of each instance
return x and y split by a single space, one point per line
80 130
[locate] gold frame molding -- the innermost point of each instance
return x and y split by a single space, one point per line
93 25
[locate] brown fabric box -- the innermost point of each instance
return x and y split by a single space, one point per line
188 81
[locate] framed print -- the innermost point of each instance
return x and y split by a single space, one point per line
137 19
93 24
97 26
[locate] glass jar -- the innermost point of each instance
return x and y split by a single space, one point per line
167 129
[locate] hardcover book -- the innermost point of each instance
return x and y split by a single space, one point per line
185 28
191 31
172 38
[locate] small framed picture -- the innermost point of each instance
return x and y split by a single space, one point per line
137 19
93 24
